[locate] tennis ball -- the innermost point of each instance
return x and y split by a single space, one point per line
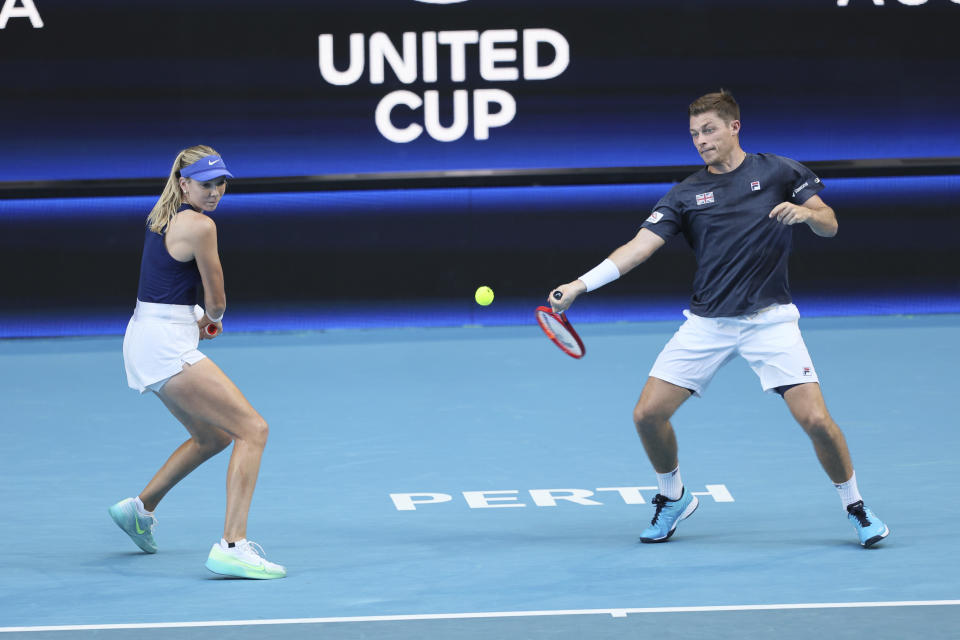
483 296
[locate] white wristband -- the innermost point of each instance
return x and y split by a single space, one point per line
217 319
604 273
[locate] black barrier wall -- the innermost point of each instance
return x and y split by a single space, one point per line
896 234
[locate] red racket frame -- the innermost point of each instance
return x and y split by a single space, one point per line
562 319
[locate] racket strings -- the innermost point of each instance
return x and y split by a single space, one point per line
560 333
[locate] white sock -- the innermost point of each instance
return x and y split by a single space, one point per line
143 511
848 491
670 484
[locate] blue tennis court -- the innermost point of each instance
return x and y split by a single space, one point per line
473 482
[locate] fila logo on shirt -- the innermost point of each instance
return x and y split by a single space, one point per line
705 198
755 185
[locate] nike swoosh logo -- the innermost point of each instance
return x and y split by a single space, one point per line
136 521
211 162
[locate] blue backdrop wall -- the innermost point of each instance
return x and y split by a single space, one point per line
108 90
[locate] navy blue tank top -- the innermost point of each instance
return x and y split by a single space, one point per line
164 279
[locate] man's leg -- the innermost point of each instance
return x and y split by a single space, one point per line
809 409
658 402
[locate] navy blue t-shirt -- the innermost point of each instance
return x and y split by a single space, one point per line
741 254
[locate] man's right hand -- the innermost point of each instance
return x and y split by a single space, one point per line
568 293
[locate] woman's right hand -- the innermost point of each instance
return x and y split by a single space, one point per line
209 330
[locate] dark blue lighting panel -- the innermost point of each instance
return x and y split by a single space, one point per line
891 211
113 89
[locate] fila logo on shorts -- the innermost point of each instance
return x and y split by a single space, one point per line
755 185
655 217
705 198
806 371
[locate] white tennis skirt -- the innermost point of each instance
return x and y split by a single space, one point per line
160 339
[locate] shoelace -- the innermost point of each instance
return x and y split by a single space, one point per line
253 550
147 518
256 549
857 511
660 501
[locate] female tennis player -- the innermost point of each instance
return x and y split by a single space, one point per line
738 214
160 354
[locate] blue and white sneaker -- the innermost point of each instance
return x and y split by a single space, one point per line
869 527
137 525
669 513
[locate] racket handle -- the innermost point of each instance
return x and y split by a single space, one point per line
557 295
211 329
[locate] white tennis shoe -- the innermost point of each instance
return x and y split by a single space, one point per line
244 559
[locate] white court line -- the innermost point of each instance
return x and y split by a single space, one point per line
616 613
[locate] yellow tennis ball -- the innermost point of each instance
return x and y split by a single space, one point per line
483 296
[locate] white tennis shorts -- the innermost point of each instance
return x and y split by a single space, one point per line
769 340
160 339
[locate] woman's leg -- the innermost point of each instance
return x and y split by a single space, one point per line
205 398
205 442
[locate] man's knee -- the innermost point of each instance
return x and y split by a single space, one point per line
649 415
818 424
657 405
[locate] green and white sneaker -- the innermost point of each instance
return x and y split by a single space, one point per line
135 523
244 559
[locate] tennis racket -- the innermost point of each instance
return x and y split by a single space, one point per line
210 329
558 328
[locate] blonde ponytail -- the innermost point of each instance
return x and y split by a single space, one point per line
172 197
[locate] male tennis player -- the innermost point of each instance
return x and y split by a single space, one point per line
738 215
